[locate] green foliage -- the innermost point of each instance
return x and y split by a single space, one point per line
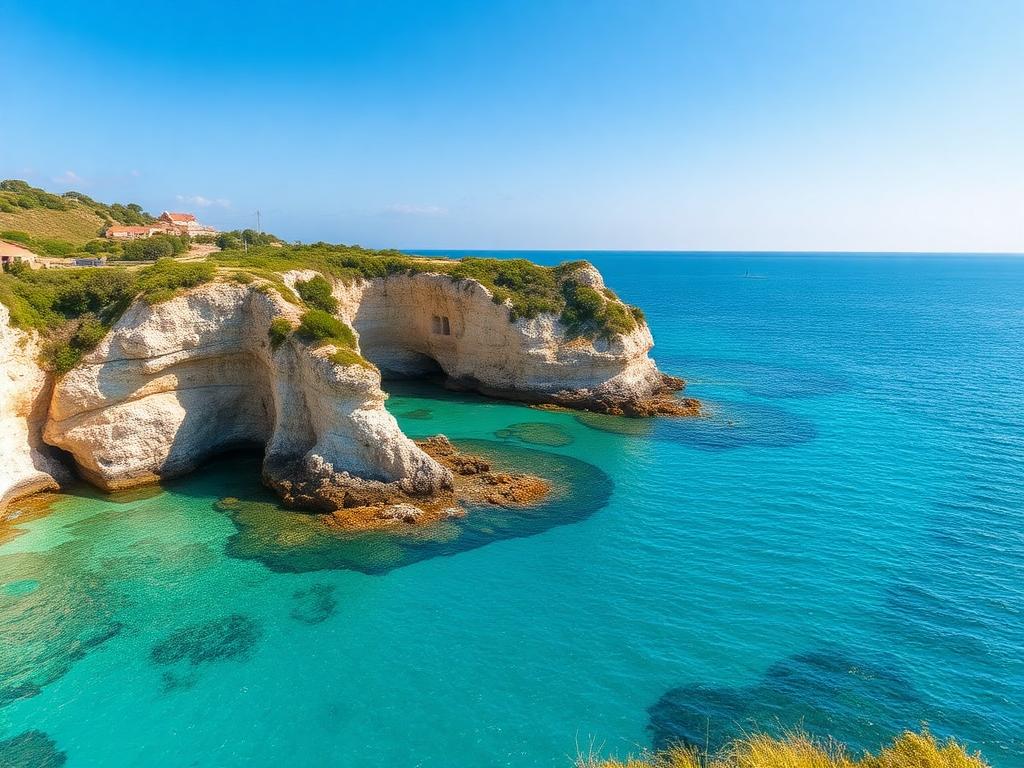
243 237
14 236
588 313
346 356
21 194
155 247
529 288
46 246
63 354
316 292
15 193
280 329
167 278
320 326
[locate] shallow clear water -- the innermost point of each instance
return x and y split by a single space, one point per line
840 545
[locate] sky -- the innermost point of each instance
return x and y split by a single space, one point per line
596 124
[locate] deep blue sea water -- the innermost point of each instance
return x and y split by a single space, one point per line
840 546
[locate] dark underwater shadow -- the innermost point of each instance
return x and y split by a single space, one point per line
825 692
31 749
296 542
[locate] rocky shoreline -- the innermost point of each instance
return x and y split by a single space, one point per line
355 504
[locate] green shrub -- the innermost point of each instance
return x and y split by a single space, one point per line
15 236
320 326
346 356
528 288
280 330
155 247
590 313
62 355
165 279
316 292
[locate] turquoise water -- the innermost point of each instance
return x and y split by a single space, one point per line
841 545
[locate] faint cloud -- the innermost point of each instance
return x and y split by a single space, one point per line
70 178
405 209
135 172
204 202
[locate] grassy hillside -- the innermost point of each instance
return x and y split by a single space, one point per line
76 225
71 217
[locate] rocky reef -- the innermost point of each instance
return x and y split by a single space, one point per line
220 365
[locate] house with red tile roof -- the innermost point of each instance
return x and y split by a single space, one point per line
117 232
186 224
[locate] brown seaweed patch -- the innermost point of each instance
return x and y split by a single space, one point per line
619 425
56 596
536 433
31 749
314 604
230 637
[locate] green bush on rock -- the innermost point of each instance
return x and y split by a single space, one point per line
316 292
279 331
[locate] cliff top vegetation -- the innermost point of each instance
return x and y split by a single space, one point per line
528 289
73 308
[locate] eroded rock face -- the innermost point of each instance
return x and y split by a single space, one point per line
412 324
26 466
176 382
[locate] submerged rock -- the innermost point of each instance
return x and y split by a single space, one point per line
31 749
231 637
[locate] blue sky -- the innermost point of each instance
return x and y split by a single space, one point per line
593 124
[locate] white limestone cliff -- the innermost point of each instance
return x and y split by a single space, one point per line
174 383
477 347
26 466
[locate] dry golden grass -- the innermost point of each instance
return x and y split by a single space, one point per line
77 224
797 750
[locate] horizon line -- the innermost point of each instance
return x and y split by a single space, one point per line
715 251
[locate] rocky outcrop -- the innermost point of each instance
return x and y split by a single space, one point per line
173 383
475 482
413 324
26 463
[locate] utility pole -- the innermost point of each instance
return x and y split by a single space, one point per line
258 230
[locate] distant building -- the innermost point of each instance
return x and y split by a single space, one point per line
91 261
137 233
12 253
186 224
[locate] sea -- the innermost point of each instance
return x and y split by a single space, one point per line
837 547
